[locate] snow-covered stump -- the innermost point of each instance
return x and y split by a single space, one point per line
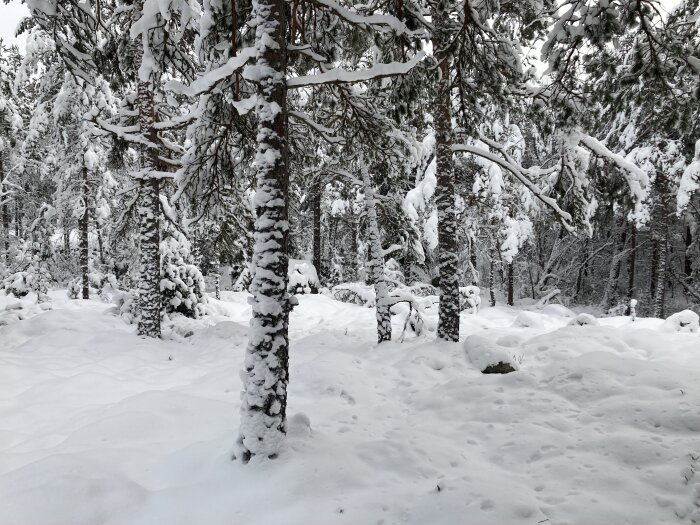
376 260
633 310
488 356
264 398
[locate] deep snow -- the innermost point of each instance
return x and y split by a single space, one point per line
601 424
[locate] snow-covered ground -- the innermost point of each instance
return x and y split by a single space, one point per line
601 424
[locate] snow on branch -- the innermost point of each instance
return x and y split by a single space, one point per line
210 79
342 76
520 173
637 179
326 133
378 22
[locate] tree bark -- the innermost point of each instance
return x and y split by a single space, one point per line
316 205
376 260
264 400
610 296
5 213
661 236
448 316
492 281
83 223
511 300
149 209
688 257
631 263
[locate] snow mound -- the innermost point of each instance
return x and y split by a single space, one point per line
528 320
488 356
584 320
557 310
685 321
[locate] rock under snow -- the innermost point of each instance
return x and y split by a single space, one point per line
488 356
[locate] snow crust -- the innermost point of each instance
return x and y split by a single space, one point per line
599 425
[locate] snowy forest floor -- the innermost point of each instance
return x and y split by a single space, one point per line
600 426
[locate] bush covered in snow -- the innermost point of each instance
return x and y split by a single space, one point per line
469 298
75 288
685 321
354 293
584 320
22 283
302 277
126 303
181 283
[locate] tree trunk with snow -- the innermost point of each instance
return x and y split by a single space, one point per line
631 263
510 284
264 400
376 260
661 238
350 259
610 295
492 281
149 207
688 256
448 316
316 205
5 212
83 224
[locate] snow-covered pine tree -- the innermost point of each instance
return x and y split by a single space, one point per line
11 126
263 410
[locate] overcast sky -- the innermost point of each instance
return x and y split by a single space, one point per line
10 15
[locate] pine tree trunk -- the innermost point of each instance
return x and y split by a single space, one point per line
492 281
5 213
19 231
350 270
688 257
617 265
653 278
316 205
473 261
264 400
149 209
610 296
376 260
511 300
448 316
662 245
83 223
631 263
100 244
